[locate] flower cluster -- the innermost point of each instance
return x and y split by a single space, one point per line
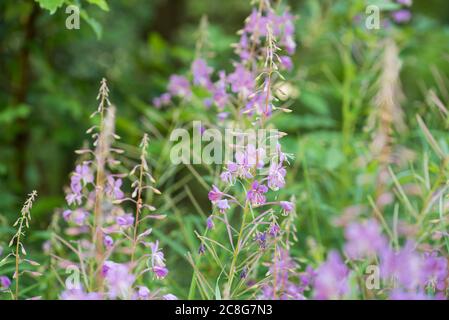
106 223
406 272
264 34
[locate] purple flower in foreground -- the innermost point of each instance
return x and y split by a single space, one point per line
408 295
402 16
113 188
241 80
276 176
157 256
220 96
119 280
5 283
201 249
331 281
160 272
274 230
79 294
163 100
215 194
223 205
169 297
79 216
125 220
210 223
435 271
143 293
82 172
404 266
287 206
283 269
364 239
201 73
261 239
244 273
108 241
66 214
256 194
179 86
286 62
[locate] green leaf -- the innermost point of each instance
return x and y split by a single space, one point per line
50 5
12 113
94 24
102 4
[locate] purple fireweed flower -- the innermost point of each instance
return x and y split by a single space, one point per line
286 63
287 207
157 256
256 194
220 96
179 86
79 294
402 16
125 221
255 157
274 230
72 198
5 283
364 239
435 271
241 80
169 297
408 295
255 104
210 223
331 281
276 176
223 205
201 249
404 266
163 100
108 241
283 270
160 272
215 194
261 239
79 217
113 188
119 280
66 214
256 24
222 116
244 273
201 73
82 172
143 293
239 169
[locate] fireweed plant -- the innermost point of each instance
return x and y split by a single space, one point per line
106 229
245 199
22 265
394 244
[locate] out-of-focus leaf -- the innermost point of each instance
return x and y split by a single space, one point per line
100 3
94 24
50 5
11 113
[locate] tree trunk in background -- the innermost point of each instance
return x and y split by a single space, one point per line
21 93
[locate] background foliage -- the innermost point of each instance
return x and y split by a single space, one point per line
49 77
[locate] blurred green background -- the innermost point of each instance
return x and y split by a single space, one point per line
49 77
